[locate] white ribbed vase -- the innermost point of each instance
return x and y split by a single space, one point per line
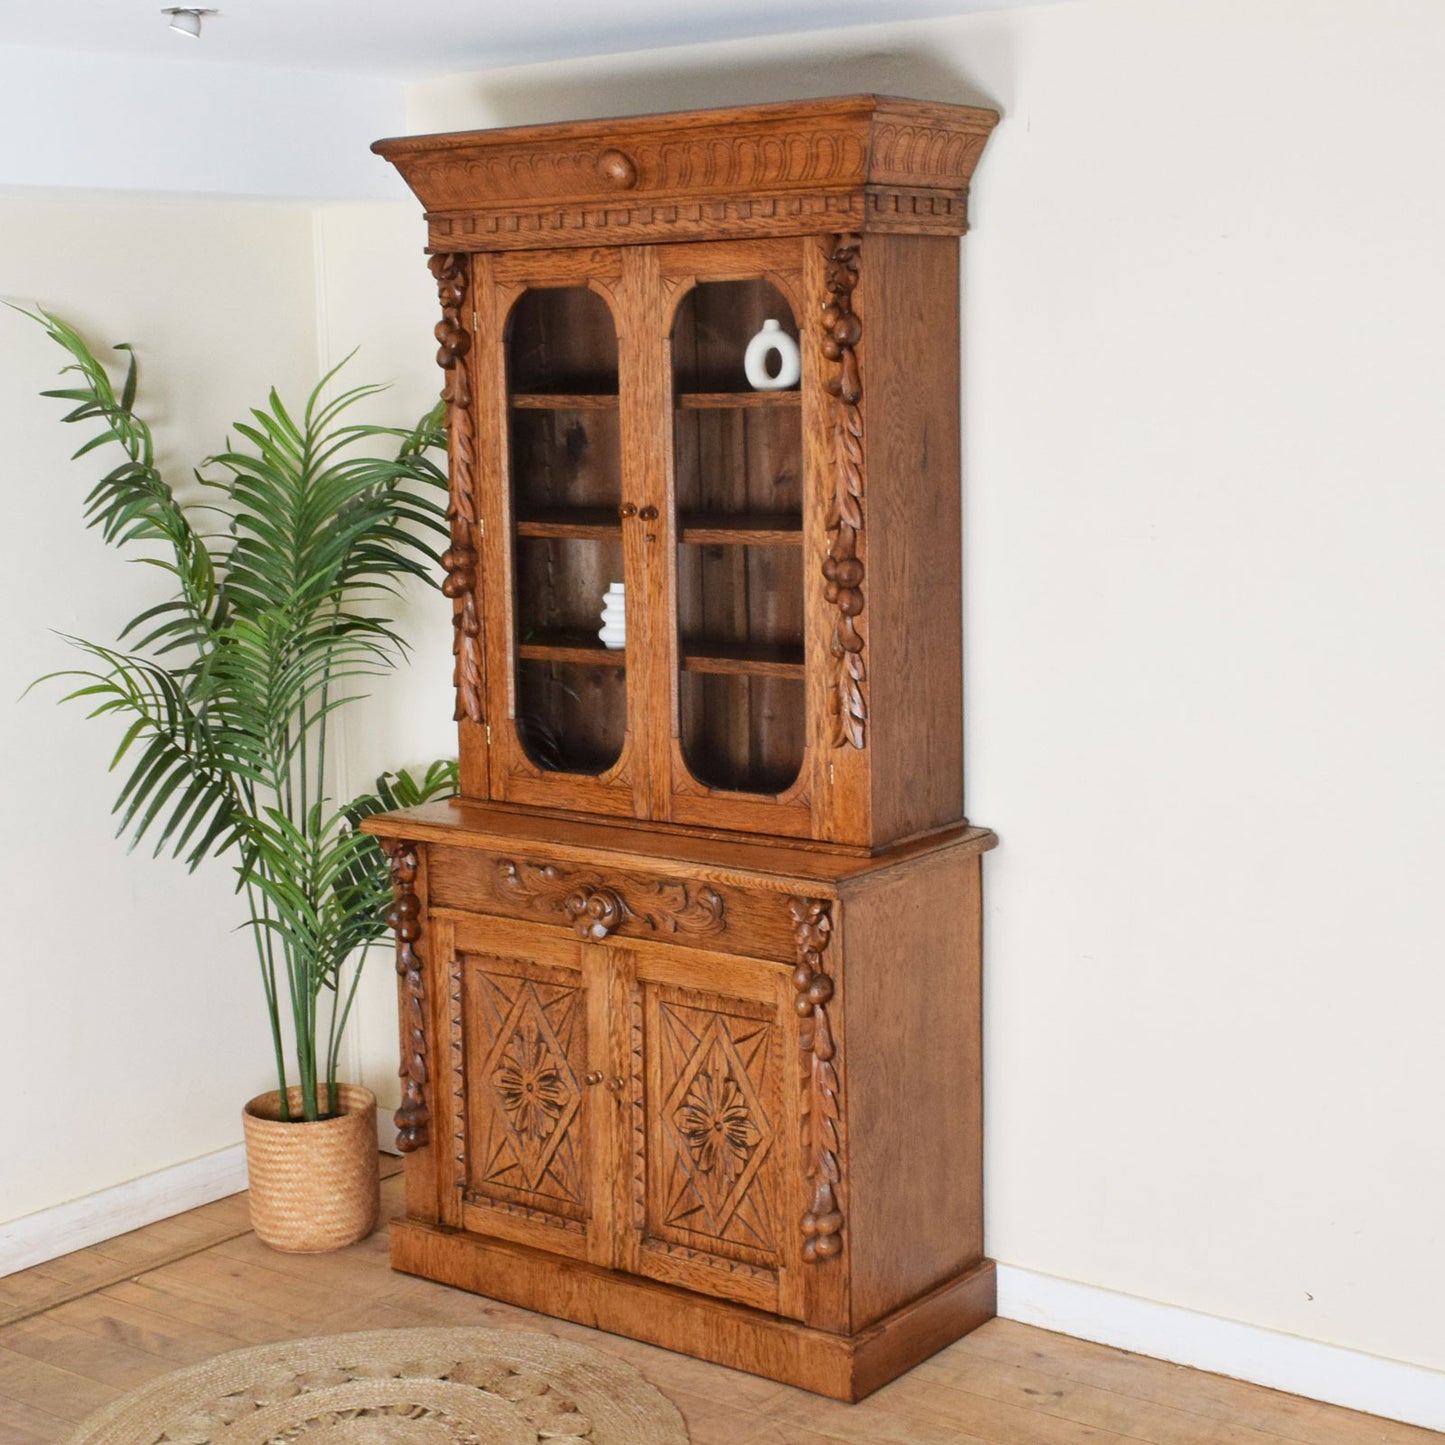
613 631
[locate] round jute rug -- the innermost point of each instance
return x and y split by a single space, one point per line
396 1387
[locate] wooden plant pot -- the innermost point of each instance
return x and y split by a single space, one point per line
314 1186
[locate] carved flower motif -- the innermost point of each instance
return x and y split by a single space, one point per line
530 1085
715 1124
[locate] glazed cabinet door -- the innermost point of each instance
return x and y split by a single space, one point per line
714 1109
740 609
557 401
524 1006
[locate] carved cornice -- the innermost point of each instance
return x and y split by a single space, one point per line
518 227
595 907
916 153
892 209
758 170
843 566
822 1223
454 342
413 1119
649 166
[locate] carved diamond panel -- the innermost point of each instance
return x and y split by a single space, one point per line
717 1127
526 1097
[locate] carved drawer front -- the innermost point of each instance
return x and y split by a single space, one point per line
599 902
520 1052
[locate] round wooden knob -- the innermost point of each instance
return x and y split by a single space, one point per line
616 1085
594 1076
627 509
617 168
648 514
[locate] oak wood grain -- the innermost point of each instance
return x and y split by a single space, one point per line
865 161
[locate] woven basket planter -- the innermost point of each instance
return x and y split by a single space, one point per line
313 1186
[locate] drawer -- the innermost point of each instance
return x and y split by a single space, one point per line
598 902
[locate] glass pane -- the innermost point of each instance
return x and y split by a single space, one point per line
737 461
566 474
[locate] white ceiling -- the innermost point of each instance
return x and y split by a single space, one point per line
416 38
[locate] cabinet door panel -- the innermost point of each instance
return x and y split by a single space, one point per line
554 363
715 1120
526 1117
744 502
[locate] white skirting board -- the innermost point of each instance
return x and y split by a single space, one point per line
1357 1381
50 1233
1337 1376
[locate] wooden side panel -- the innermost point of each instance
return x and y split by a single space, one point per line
911 961
909 355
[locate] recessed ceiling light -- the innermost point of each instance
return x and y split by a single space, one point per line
186 19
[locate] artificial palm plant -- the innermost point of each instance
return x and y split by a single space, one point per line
228 689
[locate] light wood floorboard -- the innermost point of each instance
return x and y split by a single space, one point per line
78 1332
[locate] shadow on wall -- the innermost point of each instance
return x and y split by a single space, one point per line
531 98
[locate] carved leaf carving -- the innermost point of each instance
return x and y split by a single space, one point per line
413 1118
459 561
822 1223
843 566
596 908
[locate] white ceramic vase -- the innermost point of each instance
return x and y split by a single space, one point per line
613 631
772 338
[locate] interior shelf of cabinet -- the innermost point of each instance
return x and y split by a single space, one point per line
564 401
743 659
740 400
568 645
588 524
753 529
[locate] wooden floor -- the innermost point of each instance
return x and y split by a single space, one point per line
79 1331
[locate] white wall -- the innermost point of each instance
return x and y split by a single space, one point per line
186 127
1203 382
1202 404
377 296
131 1029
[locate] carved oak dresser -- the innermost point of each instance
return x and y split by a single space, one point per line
690 971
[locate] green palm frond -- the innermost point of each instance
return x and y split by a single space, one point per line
227 688
132 502
181 783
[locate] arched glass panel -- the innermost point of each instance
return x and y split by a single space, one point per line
737 460
566 475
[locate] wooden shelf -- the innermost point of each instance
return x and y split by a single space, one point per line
743 659
583 648
564 401
588 524
752 529
739 400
